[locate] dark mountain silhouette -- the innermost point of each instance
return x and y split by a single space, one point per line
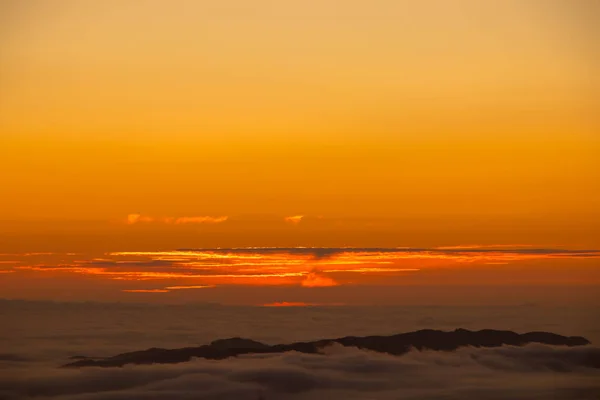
396 345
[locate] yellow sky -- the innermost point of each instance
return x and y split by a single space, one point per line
298 123
221 70
346 109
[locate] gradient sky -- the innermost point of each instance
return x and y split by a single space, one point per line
151 126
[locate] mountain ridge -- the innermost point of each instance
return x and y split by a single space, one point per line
425 339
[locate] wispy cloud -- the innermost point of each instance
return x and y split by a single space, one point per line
294 219
288 304
489 246
168 289
302 266
373 269
189 287
300 304
138 218
199 220
317 279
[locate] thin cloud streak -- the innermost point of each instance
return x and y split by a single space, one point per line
167 289
300 266
138 218
491 246
135 218
190 287
367 269
200 220
294 219
288 304
358 256
328 251
138 275
300 304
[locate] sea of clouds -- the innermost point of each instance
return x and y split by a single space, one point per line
37 337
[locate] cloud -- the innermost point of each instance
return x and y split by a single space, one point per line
374 269
300 304
479 246
190 287
137 218
294 219
168 289
316 279
303 266
288 304
409 252
128 264
533 372
200 220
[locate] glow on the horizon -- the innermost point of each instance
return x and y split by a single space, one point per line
286 140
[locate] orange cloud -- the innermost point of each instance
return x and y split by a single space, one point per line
315 279
200 220
299 304
189 287
374 269
136 218
289 304
167 289
305 266
479 246
135 275
294 219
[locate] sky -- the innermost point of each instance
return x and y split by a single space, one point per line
131 129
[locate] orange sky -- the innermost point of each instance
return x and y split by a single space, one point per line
129 126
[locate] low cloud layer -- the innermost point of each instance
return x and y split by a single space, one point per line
532 372
36 337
